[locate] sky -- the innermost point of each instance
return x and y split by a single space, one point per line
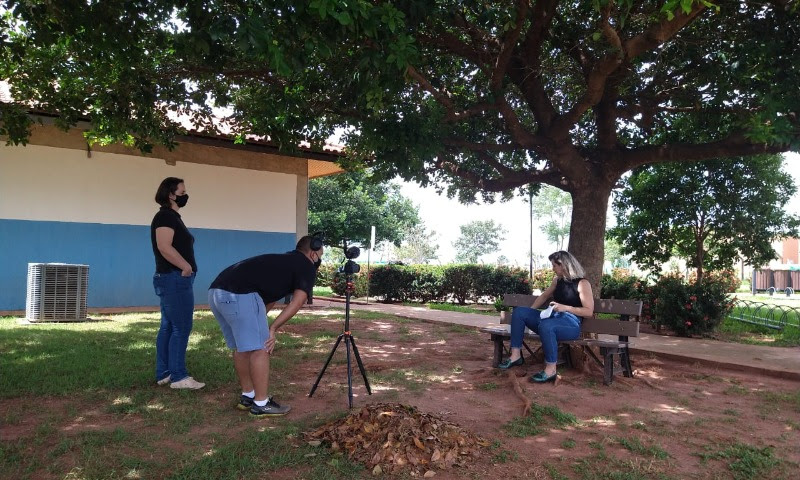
444 216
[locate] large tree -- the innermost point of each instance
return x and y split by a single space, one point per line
345 207
710 213
552 207
478 238
483 97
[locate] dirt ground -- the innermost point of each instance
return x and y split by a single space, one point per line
672 420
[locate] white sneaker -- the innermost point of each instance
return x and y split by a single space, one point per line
188 383
164 380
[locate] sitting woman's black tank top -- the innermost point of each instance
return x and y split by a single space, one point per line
566 292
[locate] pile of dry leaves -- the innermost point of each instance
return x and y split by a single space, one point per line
390 438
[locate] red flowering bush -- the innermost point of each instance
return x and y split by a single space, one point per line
686 308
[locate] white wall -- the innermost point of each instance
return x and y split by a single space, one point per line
56 184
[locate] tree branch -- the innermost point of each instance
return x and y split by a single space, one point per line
734 145
507 47
525 67
518 179
659 33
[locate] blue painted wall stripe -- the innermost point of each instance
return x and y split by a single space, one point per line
120 257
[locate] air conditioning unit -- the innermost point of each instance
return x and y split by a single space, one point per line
56 292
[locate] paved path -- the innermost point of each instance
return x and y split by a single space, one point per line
775 361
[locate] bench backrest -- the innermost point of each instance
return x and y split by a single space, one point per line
624 308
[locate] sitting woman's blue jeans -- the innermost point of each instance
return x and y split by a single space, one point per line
560 326
177 309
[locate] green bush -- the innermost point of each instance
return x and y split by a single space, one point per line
463 283
542 278
466 282
620 284
728 278
427 283
392 282
325 275
687 308
339 283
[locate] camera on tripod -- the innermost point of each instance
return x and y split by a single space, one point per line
350 267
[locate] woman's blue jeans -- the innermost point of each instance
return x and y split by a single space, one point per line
558 327
177 308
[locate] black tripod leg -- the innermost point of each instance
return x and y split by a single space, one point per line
360 365
347 341
319 377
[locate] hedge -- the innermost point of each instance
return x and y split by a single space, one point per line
426 283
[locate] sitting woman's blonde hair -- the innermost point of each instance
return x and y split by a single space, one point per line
571 264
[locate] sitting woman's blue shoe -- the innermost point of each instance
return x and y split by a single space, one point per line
542 377
507 363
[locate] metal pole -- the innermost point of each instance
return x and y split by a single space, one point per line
530 202
369 255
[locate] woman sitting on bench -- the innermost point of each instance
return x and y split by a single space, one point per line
573 300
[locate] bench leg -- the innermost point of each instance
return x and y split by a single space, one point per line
625 360
498 350
608 365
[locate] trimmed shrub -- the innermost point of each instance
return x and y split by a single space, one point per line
339 284
392 282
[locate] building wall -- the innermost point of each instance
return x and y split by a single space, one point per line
61 203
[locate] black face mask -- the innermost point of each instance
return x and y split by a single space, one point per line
318 263
180 200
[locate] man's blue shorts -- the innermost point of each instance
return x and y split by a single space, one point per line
242 318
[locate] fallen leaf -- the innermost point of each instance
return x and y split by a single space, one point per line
377 470
429 474
315 443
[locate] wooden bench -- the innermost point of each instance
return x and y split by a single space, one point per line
612 335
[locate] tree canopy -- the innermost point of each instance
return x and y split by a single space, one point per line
553 207
478 238
480 97
345 207
710 213
418 246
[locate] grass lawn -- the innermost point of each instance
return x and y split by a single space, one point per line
78 401
108 366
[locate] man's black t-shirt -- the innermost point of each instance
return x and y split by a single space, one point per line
273 275
183 241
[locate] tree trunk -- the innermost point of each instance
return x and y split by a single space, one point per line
588 229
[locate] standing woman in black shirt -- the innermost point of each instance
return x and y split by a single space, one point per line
173 247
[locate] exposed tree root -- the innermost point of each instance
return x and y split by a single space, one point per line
518 390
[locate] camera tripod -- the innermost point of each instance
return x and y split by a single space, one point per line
348 341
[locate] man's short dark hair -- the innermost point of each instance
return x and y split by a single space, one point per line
304 244
168 187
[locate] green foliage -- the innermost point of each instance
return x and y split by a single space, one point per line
554 207
542 278
345 207
339 283
710 213
620 284
418 246
728 279
477 97
461 282
477 239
